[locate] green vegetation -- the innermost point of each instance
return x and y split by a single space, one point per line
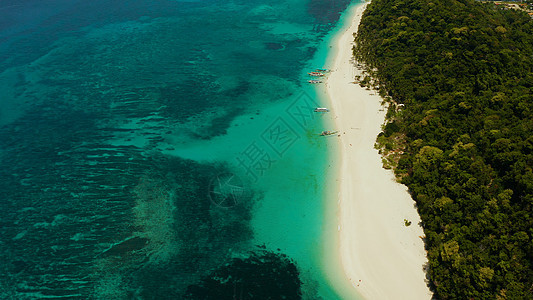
457 76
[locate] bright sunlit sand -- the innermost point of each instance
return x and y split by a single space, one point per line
381 257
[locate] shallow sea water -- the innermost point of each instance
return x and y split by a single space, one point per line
162 149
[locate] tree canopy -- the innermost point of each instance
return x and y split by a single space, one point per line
463 72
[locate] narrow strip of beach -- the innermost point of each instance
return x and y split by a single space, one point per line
380 256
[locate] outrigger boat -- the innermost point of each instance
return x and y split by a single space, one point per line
321 109
314 81
317 74
327 132
322 70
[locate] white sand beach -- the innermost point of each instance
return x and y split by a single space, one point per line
381 257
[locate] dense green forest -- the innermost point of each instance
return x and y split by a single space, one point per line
458 78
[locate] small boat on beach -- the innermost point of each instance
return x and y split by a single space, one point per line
327 132
321 109
321 70
314 81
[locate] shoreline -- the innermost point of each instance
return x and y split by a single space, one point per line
380 257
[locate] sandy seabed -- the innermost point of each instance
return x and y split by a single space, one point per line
380 256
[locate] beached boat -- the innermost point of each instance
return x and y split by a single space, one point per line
327 132
314 81
321 109
322 70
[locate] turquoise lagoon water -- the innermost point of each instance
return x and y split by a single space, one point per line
163 149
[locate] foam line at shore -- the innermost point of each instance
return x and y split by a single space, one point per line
380 256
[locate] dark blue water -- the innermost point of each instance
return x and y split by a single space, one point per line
93 97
